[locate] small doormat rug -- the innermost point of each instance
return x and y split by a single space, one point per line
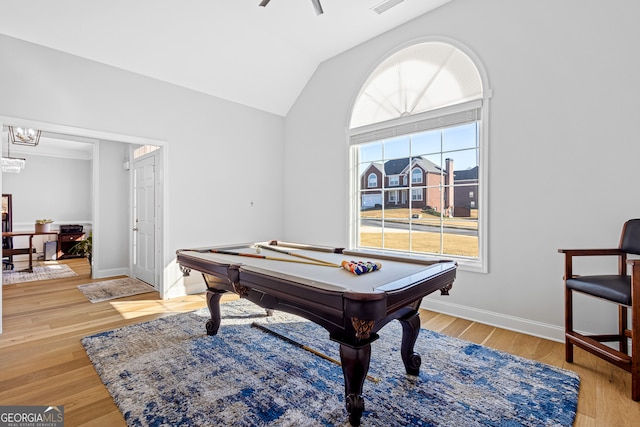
116 288
43 272
169 372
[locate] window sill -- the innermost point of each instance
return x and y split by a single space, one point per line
464 264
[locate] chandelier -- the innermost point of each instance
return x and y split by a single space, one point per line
18 136
12 164
26 136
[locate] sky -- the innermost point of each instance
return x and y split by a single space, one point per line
458 143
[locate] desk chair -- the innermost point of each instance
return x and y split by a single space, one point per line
7 259
620 289
7 242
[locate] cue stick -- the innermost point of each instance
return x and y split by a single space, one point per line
282 251
216 251
304 347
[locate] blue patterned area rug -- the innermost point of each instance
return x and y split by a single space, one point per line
168 372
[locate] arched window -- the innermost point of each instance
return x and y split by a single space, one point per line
416 176
421 114
372 182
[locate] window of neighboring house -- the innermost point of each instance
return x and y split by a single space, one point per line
416 176
423 111
372 182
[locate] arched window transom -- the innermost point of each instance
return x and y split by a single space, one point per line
419 117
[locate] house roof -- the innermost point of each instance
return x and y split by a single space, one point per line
467 174
400 166
378 166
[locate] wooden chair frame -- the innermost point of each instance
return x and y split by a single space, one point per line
593 343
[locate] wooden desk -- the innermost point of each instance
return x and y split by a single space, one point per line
22 251
66 241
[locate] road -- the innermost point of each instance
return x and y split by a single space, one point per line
377 223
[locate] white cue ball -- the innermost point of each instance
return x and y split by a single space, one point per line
258 250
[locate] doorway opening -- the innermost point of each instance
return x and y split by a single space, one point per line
110 214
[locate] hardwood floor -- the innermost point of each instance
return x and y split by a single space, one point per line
43 363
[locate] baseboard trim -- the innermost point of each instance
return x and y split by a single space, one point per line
195 288
512 323
180 288
101 274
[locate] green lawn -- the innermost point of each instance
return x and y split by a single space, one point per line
453 244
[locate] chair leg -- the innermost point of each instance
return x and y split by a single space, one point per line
622 327
635 331
635 356
568 323
635 379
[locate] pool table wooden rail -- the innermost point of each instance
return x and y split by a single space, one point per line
332 309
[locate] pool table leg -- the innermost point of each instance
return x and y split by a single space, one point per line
355 365
410 330
213 302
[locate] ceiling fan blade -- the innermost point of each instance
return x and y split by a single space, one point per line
317 6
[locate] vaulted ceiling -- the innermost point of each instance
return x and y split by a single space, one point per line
233 49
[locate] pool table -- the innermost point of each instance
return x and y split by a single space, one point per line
351 307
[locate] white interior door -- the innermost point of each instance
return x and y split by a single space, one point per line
144 236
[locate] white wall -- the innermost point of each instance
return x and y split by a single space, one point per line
222 156
563 147
114 210
49 187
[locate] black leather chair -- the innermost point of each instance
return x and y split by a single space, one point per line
621 289
7 246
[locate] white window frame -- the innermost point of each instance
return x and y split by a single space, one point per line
401 125
394 180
